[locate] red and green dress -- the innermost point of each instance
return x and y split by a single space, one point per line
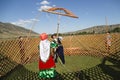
46 61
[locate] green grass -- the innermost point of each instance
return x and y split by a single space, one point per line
73 63
32 66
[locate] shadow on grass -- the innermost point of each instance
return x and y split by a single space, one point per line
98 72
21 73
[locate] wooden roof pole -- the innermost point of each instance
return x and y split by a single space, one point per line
66 13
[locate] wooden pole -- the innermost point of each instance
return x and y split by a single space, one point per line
58 25
106 24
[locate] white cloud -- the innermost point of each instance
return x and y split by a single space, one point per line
53 5
44 5
23 23
44 8
34 20
44 2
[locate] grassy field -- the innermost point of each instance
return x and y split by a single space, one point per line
73 63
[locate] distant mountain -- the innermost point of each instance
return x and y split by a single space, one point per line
8 30
98 29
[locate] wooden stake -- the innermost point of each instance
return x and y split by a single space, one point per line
106 24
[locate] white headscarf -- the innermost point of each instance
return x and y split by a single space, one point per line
44 50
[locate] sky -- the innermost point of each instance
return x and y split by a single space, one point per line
28 14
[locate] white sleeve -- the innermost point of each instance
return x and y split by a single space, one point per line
44 50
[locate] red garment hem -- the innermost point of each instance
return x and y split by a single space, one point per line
46 65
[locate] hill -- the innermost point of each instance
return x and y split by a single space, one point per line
98 29
8 30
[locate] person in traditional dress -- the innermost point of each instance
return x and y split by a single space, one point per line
59 50
108 38
46 61
108 41
108 45
22 50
